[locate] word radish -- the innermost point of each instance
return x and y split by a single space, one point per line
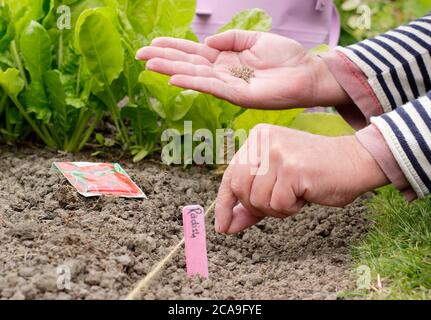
195 241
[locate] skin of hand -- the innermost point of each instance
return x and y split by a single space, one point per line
292 169
286 75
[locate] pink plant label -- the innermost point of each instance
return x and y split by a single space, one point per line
195 241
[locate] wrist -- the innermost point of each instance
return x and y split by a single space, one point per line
328 91
367 170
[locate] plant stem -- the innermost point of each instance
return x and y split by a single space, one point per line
78 78
46 139
18 62
3 102
117 119
53 132
82 121
90 129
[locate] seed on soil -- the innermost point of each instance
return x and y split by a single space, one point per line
242 72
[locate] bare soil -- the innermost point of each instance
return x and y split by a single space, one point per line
110 244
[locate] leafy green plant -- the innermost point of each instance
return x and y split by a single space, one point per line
385 15
325 124
46 90
60 82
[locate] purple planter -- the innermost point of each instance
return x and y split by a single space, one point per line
310 22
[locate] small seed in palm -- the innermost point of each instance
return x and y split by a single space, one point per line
242 72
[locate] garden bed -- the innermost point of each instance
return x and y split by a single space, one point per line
110 244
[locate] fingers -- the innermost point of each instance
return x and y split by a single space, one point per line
148 53
226 201
187 46
233 40
261 191
242 219
284 199
213 86
235 186
170 68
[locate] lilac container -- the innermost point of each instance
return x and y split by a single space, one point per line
310 22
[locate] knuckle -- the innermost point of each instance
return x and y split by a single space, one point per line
237 188
275 152
257 203
277 205
290 165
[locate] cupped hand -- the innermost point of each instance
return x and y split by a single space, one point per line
278 170
285 74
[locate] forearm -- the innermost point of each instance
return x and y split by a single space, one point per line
387 71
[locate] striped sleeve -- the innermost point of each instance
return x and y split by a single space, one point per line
407 131
397 64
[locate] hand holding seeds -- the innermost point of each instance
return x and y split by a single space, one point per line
250 69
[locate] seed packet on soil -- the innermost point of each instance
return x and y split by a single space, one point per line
98 179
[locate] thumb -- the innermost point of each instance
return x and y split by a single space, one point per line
233 40
242 219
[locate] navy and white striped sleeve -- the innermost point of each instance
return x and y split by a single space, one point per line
397 63
407 131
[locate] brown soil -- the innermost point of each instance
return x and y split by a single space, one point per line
110 244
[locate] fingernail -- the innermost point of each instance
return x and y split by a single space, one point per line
138 54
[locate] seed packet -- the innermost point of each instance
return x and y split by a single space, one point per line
97 179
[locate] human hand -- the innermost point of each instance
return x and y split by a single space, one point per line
285 74
278 170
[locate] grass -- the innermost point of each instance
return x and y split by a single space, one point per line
398 248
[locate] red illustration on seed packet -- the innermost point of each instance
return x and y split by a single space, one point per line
95 179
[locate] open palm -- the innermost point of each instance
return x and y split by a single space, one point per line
285 75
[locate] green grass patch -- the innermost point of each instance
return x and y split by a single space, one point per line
398 247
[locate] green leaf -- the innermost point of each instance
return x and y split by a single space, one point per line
229 113
132 70
57 97
100 44
190 35
183 102
24 11
174 17
325 124
11 82
250 118
253 20
153 18
159 88
323 48
142 118
76 103
204 114
13 116
7 28
37 101
36 50
142 154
